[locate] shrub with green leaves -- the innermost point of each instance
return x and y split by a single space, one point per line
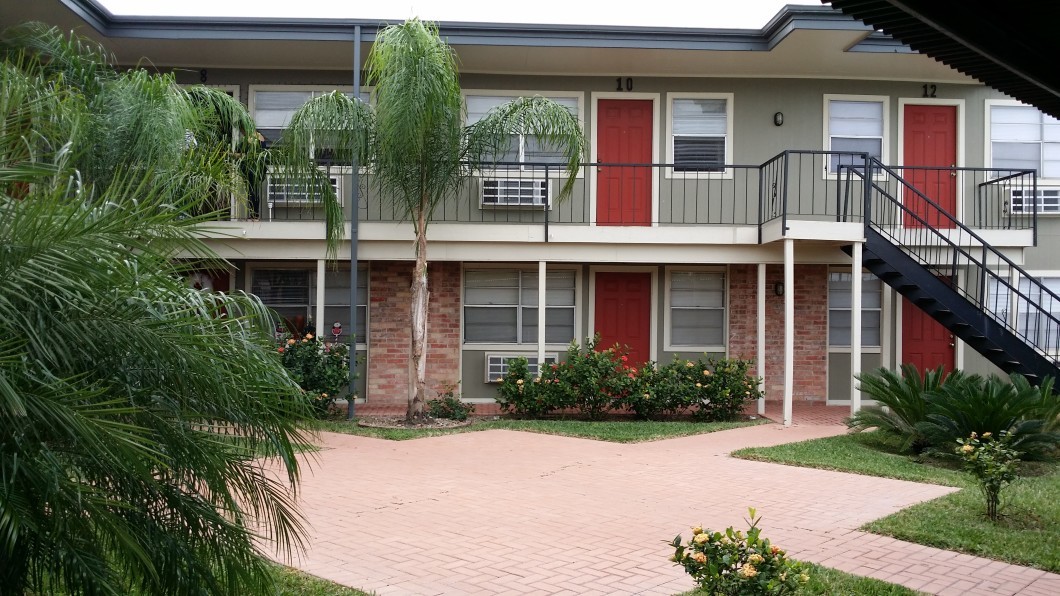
593 381
519 392
321 369
989 406
447 405
901 402
994 463
734 563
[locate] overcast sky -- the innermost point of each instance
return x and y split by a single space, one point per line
725 14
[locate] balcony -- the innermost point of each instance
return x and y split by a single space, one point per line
812 195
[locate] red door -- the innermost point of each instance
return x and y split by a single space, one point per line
925 342
623 193
623 312
931 140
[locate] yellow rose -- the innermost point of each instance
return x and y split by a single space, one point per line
699 384
519 382
755 558
699 558
701 538
696 530
748 571
706 373
967 449
309 336
324 395
290 342
986 435
305 340
689 364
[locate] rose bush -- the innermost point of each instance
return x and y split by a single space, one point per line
321 369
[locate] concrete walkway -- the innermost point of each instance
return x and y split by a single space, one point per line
503 512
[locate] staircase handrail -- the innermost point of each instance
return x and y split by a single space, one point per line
986 246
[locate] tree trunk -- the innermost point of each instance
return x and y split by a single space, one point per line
418 354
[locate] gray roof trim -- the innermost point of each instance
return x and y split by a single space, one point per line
787 20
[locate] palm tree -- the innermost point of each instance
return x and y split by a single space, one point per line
133 409
417 147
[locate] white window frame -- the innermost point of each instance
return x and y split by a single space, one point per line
668 344
252 268
988 145
865 349
724 173
885 143
510 94
1016 281
508 347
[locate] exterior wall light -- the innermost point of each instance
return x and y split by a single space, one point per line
778 288
778 119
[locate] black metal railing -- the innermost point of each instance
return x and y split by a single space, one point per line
795 184
902 213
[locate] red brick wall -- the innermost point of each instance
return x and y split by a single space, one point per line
389 338
811 327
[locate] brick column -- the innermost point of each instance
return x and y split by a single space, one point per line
811 327
389 336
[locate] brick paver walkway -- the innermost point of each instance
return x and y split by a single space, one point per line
503 512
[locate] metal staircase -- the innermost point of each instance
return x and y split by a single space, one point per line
956 277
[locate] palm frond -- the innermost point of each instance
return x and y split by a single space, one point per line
550 123
419 132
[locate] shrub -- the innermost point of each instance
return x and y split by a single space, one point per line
993 405
726 390
448 405
321 369
593 381
993 462
519 392
734 563
904 397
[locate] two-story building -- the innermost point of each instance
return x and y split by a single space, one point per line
812 195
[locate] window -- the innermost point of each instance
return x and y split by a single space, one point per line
857 125
840 300
1023 138
497 365
521 148
291 293
700 133
500 306
1031 322
697 309
272 109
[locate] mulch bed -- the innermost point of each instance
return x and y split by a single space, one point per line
399 422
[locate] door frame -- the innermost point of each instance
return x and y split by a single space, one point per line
653 350
594 99
960 140
899 341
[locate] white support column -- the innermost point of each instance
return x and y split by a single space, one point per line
855 329
887 328
318 313
761 343
540 315
789 327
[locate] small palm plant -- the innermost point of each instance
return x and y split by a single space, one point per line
902 405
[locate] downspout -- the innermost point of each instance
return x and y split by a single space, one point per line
355 188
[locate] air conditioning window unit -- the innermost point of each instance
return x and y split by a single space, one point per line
281 190
515 192
1046 199
497 364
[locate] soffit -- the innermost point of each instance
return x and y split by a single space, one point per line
810 42
1009 46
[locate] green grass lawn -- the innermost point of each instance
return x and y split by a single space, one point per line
617 432
291 582
832 582
1028 534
